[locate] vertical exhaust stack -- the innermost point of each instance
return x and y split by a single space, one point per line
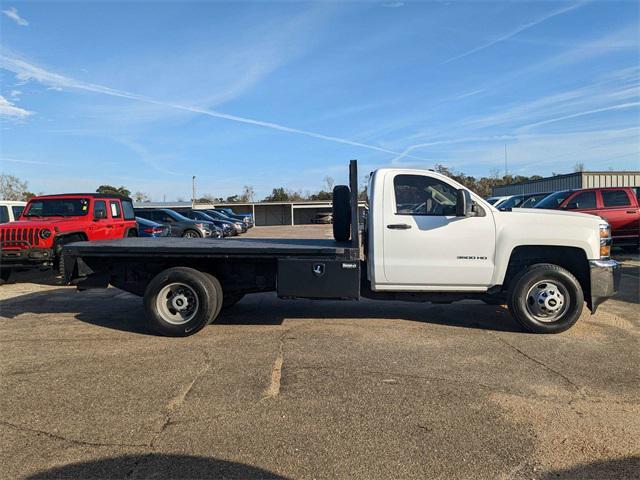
355 219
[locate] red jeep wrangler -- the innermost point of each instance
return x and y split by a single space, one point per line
49 222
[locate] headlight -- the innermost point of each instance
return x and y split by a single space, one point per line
45 233
605 240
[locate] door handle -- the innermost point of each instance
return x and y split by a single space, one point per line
399 226
632 211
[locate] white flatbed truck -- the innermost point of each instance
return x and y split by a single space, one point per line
426 238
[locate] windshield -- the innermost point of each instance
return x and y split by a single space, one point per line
202 216
554 200
177 216
512 202
58 207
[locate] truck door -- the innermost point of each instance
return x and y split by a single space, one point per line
101 227
619 209
116 218
425 246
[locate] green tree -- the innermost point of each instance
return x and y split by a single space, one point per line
278 195
110 190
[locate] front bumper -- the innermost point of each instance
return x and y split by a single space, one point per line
605 281
26 257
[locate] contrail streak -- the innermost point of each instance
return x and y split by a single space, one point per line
27 71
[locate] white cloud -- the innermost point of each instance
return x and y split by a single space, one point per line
15 94
12 13
8 109
516 31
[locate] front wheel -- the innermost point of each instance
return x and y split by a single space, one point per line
191 234
180 301
546 298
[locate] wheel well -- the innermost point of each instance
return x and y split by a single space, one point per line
572 259
69 238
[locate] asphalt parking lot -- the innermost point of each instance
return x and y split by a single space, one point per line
309 389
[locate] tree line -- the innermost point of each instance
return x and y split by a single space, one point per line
13 188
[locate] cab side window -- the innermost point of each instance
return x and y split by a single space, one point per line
615 198
17 211
115 209
4 214
100 209
423 195
582 201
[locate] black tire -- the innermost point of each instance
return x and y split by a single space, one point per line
341 213
61 271
132 233
230 300
218 288
198 286
191 234
5 274
542 283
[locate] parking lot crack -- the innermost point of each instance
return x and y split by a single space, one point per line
541 363
73 441
178 400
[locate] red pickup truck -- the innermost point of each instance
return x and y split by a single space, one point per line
619 206
49 222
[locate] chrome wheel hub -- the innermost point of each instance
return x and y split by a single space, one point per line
177 303
547 301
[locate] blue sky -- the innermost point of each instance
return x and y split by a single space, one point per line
146 94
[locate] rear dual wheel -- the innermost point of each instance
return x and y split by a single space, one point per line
180 301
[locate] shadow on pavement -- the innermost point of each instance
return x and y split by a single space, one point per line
124 311
157 466
628 467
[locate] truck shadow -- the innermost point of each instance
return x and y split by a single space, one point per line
117 310
627 467
159 466
271 310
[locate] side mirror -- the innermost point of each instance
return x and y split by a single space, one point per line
464 204
99 214
572 206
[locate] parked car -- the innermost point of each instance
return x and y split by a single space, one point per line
322 218
227 227
240 227
246 218
181 226
619 206
495 200
147 228
49 222
526 200
10 211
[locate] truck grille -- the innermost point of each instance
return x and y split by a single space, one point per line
17 237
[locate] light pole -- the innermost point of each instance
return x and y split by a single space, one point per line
193 191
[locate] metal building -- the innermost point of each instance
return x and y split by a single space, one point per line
571 181
264 213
